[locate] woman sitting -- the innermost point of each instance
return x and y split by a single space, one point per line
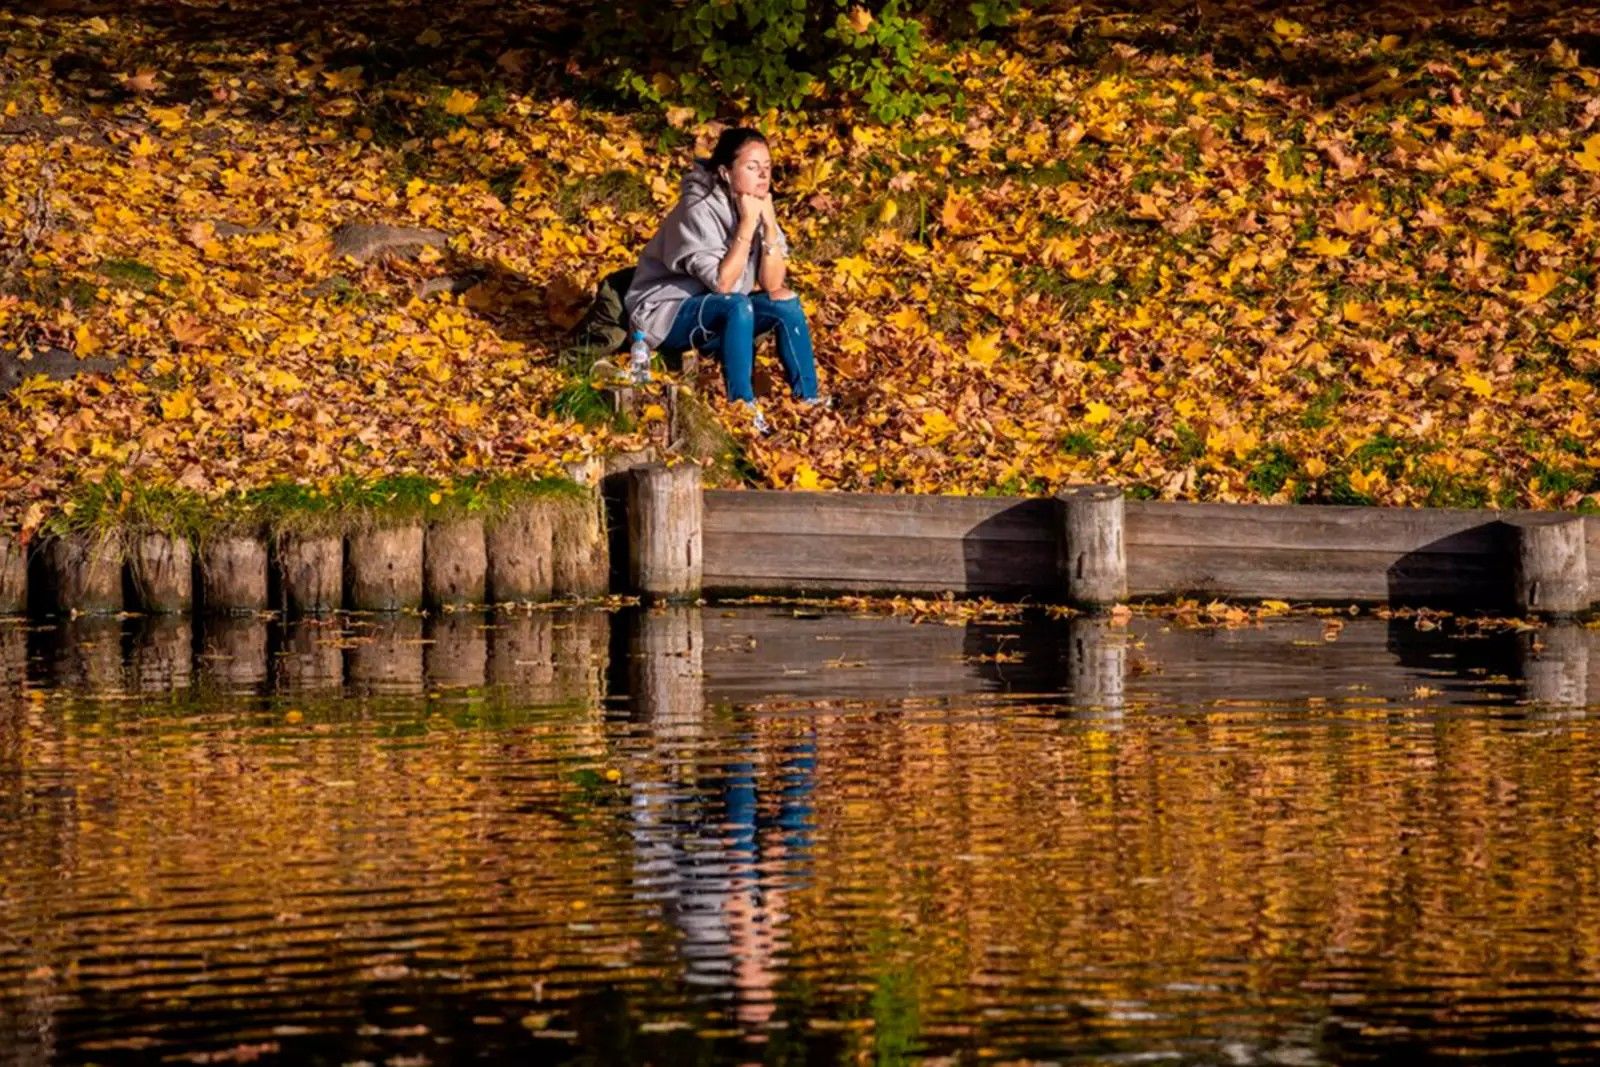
712 278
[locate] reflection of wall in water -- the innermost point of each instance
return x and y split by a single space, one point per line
310 656
457 651
161 654
13 655
233 653
384 654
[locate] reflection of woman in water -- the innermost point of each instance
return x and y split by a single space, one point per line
721 861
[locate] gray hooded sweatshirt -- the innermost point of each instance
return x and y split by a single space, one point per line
681 260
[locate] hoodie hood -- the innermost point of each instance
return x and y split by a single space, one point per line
700 181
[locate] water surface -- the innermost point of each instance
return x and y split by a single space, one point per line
762 835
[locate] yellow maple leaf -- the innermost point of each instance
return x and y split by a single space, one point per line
887 213
984 349
1536 285
460 102
1355 219
1460 116
1477 384
851 270
1589 158
1096 413
812 174
908 319
283 381
936 426
805 477
84 340
170 119
1331 247
179 405
1285 30
860 19
1367 481
1538 240
343 79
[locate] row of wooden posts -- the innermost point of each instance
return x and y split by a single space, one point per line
655 531
538 550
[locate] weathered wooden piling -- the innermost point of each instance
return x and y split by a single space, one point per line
455 563
1093 557
311 572
85 573
383 569
13 575
161 571
233 573
518 544
580 563
665 531
1550 568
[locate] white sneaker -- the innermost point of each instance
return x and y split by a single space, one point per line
759 423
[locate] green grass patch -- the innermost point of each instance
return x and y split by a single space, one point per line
114 507
582 403
131 274
623 191
1080 443
1270 469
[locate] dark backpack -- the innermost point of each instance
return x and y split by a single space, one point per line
604 329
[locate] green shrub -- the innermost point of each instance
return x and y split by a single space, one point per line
773 53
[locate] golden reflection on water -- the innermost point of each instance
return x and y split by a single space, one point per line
746 835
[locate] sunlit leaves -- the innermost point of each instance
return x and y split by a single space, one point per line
1168 271
460 102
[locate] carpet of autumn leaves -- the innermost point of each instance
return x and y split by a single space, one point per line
1206 253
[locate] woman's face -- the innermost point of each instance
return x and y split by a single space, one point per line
751 173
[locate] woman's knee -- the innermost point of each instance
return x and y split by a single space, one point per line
736 307
788 309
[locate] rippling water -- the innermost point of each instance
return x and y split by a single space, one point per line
752 835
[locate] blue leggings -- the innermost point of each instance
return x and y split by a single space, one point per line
726 325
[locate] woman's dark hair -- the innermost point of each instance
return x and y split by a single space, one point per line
731 143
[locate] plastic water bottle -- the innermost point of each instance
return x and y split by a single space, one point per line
639 359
